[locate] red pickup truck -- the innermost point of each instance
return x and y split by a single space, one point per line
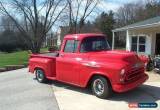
86 60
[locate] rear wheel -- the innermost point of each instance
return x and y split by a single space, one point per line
40 75
101 87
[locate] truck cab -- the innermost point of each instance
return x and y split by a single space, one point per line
87 60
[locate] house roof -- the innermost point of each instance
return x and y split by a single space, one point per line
146 23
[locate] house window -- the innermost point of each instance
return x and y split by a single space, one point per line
138 43
134 44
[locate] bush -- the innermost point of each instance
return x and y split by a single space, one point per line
9 42
8 47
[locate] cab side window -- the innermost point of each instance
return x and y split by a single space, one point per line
71 46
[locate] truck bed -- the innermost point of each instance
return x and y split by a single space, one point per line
46 55
46 61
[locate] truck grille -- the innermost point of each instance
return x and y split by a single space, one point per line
134 74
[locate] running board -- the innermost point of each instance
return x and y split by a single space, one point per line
51 78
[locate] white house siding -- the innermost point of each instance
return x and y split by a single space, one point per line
150 34
148 45
59 37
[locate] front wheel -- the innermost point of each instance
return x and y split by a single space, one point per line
40 76
101 87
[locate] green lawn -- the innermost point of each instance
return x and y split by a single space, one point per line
44 49
15 58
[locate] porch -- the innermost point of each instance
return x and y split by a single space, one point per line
142 37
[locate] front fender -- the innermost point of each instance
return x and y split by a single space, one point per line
109 71
87 73
93 74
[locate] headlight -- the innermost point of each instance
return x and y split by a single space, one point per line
122 75
122 72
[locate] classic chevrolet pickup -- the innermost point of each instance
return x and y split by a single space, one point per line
86 60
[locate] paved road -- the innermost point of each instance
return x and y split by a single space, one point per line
19 91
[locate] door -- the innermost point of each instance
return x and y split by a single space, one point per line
157 47
67 63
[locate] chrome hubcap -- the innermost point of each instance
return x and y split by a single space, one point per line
39 75
98 86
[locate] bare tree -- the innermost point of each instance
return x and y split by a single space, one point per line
7 24
152 8
126 14
133 12
33 18
78 11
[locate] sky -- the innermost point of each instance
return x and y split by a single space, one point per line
105 5
113 4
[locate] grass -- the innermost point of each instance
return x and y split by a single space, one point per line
44 49
15 58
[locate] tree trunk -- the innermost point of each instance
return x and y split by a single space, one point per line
35 50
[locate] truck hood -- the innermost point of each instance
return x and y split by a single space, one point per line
115 56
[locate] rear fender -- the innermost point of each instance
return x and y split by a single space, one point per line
39 67
47 65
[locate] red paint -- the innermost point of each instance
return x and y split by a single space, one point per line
78 68
144 59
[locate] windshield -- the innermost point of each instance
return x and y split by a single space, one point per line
98 43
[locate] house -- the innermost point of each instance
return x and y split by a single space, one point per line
142 37
51 40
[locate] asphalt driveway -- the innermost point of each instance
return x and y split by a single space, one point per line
19 91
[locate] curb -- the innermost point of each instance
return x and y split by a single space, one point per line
2 69
12 67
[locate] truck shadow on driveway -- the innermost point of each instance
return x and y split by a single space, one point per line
144 93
